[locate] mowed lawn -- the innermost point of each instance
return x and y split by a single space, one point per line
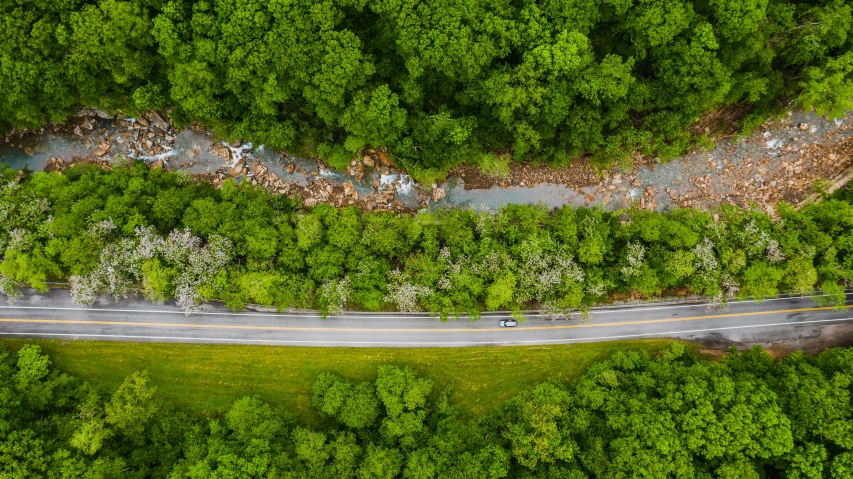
207 378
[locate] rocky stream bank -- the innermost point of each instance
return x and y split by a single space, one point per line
784 160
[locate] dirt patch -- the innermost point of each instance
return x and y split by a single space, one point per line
579 174
830 336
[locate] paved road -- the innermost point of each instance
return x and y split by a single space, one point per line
54 316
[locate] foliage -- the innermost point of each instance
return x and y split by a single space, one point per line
136 229
437 82
632 415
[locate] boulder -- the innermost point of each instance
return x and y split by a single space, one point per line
349 189
158 120
368 161
383 157
157 164
259 169
237 169
222 152
438 194
102 114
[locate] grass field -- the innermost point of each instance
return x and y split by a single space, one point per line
207 378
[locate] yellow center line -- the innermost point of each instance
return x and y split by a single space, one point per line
406 330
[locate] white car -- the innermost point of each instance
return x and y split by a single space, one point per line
508 323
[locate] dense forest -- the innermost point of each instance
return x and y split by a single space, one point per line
438 82
138 229
631 416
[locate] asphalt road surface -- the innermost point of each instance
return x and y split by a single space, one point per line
54 316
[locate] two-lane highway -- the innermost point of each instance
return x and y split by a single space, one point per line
53 315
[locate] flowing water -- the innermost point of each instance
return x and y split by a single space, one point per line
195 151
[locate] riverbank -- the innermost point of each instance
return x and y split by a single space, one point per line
784 160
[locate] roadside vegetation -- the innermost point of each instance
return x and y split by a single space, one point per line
207 378
635 414
135 229
438 83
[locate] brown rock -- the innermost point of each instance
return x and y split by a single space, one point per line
349 189
438 194
157 164
142 122
222 152
673 194
803 126
290 168
611 187
158 120
368 161
100 152
259 169
237 169
383 157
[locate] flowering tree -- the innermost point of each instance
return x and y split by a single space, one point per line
119 272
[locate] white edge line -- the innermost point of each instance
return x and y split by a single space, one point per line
425 343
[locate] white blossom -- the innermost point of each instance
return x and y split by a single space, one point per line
636 254
102 229
19 239
728 289
405 294
83 290
706 259
9 288
774 251
336 294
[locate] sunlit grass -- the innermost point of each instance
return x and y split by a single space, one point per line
207 378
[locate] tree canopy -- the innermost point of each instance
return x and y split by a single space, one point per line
632 415
439 82
138 230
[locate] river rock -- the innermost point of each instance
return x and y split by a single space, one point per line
673 194
383 157
158 120
237 169
142 122
158 164
368 161
803 126
222 151
259 169
438 194
349 189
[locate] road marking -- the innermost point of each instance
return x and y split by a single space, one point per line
406 330
420 343
367 315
